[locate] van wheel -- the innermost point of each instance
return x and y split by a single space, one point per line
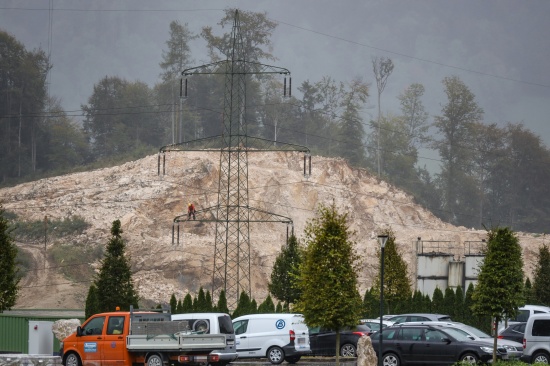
292 359
154 360
541 357
347 350
275 355
72 359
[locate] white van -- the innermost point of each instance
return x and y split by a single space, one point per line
277 337
524 313
536 339
213 323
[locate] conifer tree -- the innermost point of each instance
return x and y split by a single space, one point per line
243 305
179 307
279 308
9 277
328 274
285 272
221 306
267 306
187 306
437 300
541 290
92 305
449 301
371 304
173 304
397 287
114 282
201 305
459 305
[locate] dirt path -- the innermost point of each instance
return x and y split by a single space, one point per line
43 287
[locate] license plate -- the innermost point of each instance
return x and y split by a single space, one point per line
301 340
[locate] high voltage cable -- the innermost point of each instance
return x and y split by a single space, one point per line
307 30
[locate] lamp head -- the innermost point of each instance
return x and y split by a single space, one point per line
382 239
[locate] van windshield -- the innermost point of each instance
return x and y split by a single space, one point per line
226 326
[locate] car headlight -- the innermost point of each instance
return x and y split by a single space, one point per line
487 349
510 348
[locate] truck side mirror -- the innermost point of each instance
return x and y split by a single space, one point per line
79 331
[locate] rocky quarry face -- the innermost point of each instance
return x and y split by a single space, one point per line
147 203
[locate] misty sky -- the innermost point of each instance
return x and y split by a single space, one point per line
499 48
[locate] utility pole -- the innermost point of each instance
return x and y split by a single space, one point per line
232 214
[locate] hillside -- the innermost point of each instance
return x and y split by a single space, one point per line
147 203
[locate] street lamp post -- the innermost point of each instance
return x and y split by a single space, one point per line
382 239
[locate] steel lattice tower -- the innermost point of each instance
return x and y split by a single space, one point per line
233 215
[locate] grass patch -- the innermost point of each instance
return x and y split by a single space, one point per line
37 230
74 260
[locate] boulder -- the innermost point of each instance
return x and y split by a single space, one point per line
365 352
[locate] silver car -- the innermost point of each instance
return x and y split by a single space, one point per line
514 349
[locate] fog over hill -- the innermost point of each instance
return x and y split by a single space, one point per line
146 203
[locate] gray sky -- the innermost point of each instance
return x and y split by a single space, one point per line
499 48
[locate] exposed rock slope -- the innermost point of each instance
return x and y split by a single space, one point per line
146 203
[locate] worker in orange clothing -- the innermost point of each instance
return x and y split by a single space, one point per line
190 211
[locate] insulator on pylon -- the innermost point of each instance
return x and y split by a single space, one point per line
186 88
181 87
289 87
284 89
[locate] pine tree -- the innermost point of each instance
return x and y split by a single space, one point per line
221 306
397 287
179 307
243 305
208 302
279 308
92 305
437 300
114 281
541 289
328 274
200 306
449 301
267 306
187 306
9 277
285 272
173 304
459 305
529 292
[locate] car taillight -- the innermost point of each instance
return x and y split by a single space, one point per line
524 343
360 334
292 335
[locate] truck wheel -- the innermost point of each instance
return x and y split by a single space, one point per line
275 355
541 357
72 359
154 360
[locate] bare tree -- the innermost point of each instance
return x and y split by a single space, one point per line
382 68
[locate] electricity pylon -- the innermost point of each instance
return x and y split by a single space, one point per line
233 214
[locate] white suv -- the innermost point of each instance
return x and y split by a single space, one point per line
536 339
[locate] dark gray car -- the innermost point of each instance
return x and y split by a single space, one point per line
419 317
424 344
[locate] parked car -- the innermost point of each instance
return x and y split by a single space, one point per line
277 337
406 344
322 341
524 313
536 339
419 317
514 332
514 350
374 324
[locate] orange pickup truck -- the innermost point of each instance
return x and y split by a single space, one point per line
129 338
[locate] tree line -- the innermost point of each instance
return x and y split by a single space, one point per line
488 174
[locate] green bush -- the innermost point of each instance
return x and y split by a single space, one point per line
37 230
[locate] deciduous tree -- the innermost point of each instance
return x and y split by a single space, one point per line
328 274
499 290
